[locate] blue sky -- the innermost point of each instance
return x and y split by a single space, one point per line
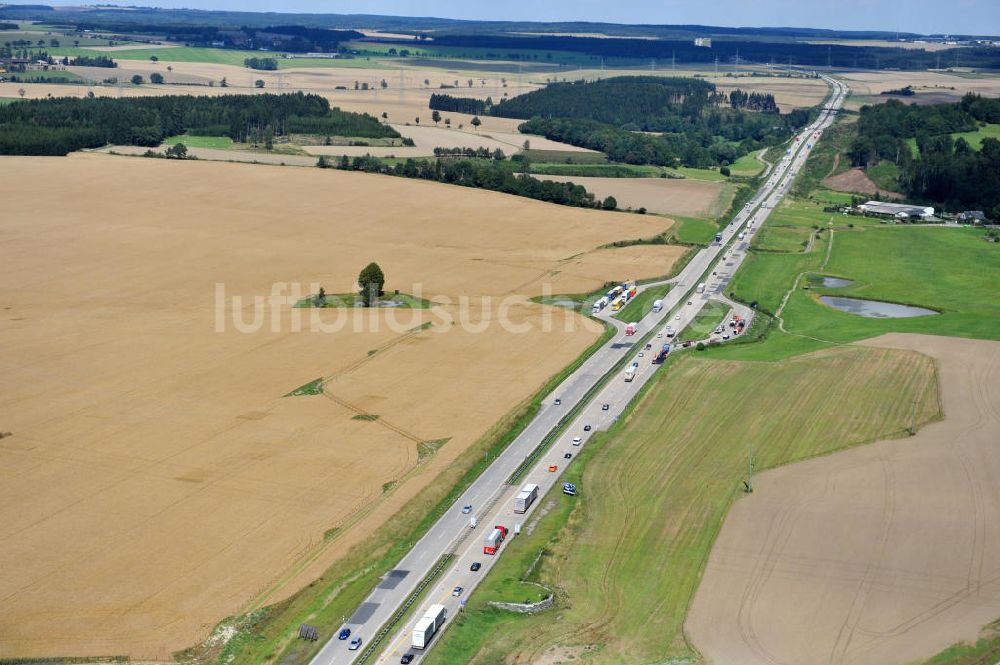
924 16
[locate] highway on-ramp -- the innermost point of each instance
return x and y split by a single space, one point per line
590 387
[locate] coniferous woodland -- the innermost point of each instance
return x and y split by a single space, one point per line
946 170
649 119
61 125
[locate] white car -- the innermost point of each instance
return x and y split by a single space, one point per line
577 441
677 318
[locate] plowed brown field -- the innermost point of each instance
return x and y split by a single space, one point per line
882 554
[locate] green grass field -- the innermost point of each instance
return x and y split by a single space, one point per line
773 238
885 175
642 303
747 166
695 230
706 321
975 139
626 555
950 270
213 142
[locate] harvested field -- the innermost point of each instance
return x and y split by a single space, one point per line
882 554
931 87
428 138
156 480
887 43
856 180
688 197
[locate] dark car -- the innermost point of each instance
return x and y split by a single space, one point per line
686 344
605 407
475 566
567 455
406 659
344 633
586 428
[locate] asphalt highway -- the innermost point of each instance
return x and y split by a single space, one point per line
491 497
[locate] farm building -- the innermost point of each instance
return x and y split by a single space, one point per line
901 210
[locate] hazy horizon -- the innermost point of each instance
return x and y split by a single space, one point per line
976 17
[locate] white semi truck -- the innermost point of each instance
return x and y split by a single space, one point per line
701 287
525 498
630 373
657 306
428 625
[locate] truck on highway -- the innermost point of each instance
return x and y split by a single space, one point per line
428 625
630 329
742 235
618 303
525 498
657 305
662 355
718 237
600 304
701 287
629 373
494 539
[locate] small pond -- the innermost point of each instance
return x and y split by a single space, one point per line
874 308
836 282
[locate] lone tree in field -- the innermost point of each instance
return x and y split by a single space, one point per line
259 83
371 280
136 79
177 151
476 122
153 58
156 77
609 203
436 117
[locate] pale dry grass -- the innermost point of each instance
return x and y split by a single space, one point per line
688 197
156 480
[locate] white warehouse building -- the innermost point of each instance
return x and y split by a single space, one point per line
901 210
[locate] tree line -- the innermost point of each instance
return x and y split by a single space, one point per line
489 175
91 61
473 153
945 171
61 125
465 105
753 101
783 52
263 64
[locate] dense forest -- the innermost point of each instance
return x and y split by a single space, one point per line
481 174
726 51
459 104
946 171
685 120
91 61
61 125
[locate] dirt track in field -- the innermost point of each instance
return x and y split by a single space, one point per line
156 480
882 554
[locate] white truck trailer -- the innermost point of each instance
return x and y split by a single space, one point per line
428 625
701 287
629 373
525 498
657 306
